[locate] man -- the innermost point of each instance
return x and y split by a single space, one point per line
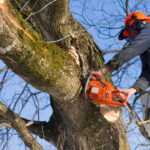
137 29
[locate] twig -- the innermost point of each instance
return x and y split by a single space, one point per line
122 68
29 123
76 32
35 4
24 6
143 145
111 51
22 92
127 8
18 4
43 131
5 125
3 80
3 69
67 36
40 9
137 5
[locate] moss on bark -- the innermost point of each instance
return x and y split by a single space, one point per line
52 69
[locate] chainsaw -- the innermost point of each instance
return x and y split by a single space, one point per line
102 92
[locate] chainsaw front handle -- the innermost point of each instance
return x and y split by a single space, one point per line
86 85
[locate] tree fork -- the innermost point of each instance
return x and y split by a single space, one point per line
52 69
53 66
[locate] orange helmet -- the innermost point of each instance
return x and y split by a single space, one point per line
129 21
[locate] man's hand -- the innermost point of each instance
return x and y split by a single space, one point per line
96 74
126 92
99 74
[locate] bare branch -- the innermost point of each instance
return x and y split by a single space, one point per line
127 8
76 32
33 126
18 4
3 80
137 5
3 69
35 4
7 125
24 6
67 36
40 9
142 145
22 92
111 51
125 67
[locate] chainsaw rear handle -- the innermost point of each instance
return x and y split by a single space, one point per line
116 92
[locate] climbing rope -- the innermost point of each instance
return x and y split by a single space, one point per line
138 121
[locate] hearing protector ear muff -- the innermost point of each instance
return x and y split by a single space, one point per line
137 24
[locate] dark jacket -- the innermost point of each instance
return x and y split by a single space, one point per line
139 46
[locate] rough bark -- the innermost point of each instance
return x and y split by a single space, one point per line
58 69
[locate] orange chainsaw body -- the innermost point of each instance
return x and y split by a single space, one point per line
104 93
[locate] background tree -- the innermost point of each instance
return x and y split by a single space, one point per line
57 69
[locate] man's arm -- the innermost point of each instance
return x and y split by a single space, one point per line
140 44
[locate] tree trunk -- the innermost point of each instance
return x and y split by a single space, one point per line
59 69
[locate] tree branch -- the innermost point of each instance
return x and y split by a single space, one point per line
52 65
53 70
111 51
127 7
45 130
20 127
137 5
3 69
